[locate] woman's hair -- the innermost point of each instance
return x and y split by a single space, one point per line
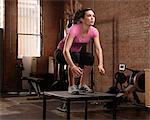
80 14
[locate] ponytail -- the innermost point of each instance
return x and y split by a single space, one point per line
78 16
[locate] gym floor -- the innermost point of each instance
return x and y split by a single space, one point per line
25 107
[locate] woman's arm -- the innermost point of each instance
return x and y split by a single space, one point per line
77 71
99 54
66 50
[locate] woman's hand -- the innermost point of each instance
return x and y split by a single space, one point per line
76 71
101 69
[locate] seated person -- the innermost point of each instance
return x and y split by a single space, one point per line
69 50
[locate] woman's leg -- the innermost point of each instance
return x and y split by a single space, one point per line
60 59
86 60
70 77
72 88
86 75
84 81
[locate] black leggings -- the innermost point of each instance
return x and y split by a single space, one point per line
77 57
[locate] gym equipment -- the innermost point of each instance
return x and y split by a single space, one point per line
68 98
129 84
136 83
136 78
61 77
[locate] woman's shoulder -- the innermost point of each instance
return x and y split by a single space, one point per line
93 28
74 30
75 26
94 31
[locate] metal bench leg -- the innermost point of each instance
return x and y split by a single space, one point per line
44 107
114 108
30 87
68 109
86 109
36 88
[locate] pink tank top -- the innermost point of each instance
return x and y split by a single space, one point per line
75 31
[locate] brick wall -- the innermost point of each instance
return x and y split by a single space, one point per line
134 41
131 35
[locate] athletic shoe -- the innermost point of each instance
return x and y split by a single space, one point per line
73 90
85 88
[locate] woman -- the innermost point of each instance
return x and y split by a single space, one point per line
69 50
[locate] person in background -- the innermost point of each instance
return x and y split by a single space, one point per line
69 50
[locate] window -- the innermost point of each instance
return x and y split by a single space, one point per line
1 13
29 35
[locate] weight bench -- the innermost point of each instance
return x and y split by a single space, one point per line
35 84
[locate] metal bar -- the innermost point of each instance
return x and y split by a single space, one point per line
38 89
28 34
68 109
85 109
113 48
44 107
92 71
114 108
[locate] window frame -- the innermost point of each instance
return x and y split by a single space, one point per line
28 34
2 22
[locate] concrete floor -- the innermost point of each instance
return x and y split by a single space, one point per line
25 108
